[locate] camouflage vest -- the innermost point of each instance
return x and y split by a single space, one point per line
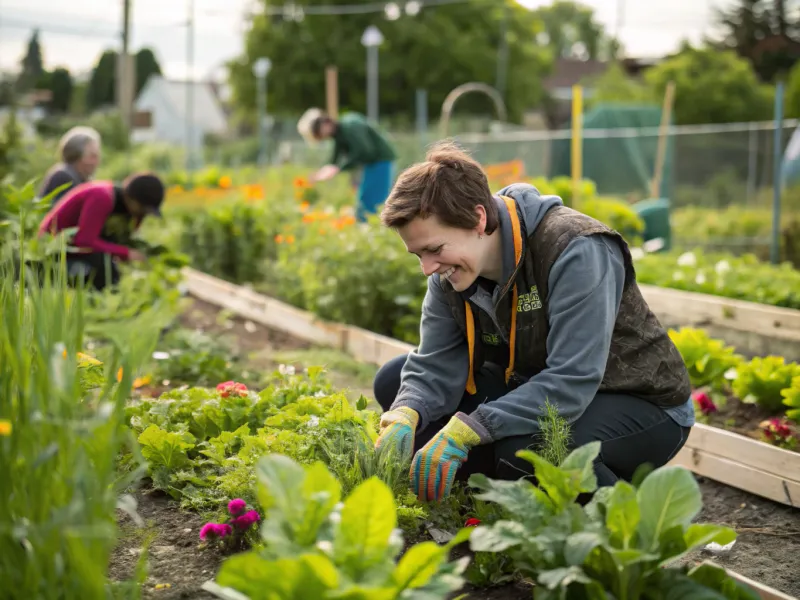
642 361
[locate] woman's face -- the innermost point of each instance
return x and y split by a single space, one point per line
89 161
456 254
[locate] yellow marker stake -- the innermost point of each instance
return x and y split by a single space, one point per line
577 143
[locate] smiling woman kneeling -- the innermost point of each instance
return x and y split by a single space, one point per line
528 301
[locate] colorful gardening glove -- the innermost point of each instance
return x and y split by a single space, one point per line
397 429
434 467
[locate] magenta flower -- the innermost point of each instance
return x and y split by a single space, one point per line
704 402
246 520
236 507
214 530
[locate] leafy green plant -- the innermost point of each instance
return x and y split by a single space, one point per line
791 398
196 358
63 430
622 544
706 359
762 380
554 437
316 547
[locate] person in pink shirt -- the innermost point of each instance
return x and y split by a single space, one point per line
105 215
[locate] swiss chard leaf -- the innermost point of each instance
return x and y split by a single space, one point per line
669 497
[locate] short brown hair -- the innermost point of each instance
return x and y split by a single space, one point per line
449 184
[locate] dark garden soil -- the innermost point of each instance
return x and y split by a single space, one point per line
740 417
767 549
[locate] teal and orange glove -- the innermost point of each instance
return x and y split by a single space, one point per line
434 467
397 429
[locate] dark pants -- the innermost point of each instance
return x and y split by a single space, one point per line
632 431
96 268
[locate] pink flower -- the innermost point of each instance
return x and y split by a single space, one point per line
704 403
237 507
776 429
472 523
246 520
214 530
228 388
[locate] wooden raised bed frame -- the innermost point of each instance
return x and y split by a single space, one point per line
730 458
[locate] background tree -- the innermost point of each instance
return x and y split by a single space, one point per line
60 86
103 81
761 32
615 86
146 65
712 87
571 31
437 49
32 65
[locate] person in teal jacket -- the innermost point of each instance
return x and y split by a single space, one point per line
357 143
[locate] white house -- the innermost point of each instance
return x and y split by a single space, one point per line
161 110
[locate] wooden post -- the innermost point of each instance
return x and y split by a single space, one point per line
661 152
332 91
577 143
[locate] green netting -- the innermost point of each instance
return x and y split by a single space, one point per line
621 164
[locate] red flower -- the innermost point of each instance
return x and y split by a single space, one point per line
776 428
704 403
227 388
472 523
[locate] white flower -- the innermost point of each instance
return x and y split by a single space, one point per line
313 421
677 276
325 546
687 259
338 506
158 355
286 370
335 518
700 278
320 394
396 538
637 253
722 267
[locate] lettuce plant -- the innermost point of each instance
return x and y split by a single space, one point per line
619 546
318 547
762 380
706 359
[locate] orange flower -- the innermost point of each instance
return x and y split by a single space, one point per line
119 375
279 239
322 231
304 207
290 239
142 381
225 182
301 183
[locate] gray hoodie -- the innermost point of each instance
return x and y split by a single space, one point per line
585 290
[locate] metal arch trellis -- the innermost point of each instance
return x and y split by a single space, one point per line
465 88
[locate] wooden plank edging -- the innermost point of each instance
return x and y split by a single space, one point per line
747 464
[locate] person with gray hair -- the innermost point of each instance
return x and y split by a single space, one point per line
80 155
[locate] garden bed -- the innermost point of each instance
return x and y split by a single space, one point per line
767 549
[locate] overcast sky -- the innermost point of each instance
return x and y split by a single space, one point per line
75 32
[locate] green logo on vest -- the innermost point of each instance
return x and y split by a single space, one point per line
530 301
491 338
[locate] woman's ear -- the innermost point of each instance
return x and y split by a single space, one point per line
480 228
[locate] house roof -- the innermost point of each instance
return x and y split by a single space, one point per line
207 108
570 71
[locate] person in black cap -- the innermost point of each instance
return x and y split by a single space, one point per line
106 216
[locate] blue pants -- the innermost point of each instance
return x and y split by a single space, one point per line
376 183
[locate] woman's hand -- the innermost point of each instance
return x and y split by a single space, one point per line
397 429
325 173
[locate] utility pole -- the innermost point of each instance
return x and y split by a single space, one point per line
126 73
190 94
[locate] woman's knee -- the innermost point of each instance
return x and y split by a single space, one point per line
387 381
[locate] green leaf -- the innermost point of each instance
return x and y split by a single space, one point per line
668 497
498 537
579 546
165 448
700 534
418 565
562 487
321 491
306 576
716 578
368 518
622 515
362 402
517 497
582 460
280 481
562 577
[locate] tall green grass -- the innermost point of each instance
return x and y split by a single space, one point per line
60 485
